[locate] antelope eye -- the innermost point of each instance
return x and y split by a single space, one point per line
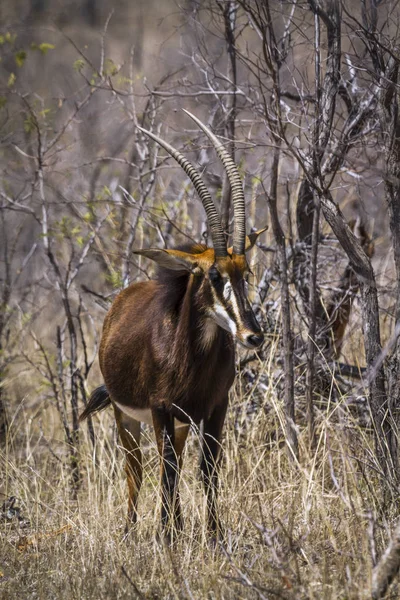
214 274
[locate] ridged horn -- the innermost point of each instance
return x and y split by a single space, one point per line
214 222
239 231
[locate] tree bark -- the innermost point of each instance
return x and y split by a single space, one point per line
384 434
287 334
390 123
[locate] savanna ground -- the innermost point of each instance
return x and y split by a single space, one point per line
80 189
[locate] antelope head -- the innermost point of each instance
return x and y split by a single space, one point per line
221 273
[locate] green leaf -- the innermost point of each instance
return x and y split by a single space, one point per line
29 124
115 278
44 47
10 37
122 80
110 68
3 101
79 64
20 58
88 217
11 79
26 318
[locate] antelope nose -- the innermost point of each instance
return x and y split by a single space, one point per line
255 339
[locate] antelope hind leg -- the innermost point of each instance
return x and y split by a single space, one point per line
129 433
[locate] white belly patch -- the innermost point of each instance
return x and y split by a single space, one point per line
143 415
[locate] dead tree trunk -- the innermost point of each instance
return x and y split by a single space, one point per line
361 264
390 122
385 70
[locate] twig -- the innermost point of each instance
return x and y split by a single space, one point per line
388 566
138 593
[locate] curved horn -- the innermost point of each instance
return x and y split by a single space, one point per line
217 234
239 231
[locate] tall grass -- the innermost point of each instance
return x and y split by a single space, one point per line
290 531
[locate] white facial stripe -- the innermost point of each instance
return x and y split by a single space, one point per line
219 313
223 319
235 307
227 293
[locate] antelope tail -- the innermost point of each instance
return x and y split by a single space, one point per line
98 400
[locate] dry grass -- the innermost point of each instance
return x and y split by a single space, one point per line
290 531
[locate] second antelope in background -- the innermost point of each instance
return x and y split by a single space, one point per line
167 350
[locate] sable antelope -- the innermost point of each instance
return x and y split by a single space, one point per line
167 349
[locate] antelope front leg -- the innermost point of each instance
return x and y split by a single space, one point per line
170 444
211 455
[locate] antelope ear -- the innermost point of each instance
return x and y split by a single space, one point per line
176 260
250 240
